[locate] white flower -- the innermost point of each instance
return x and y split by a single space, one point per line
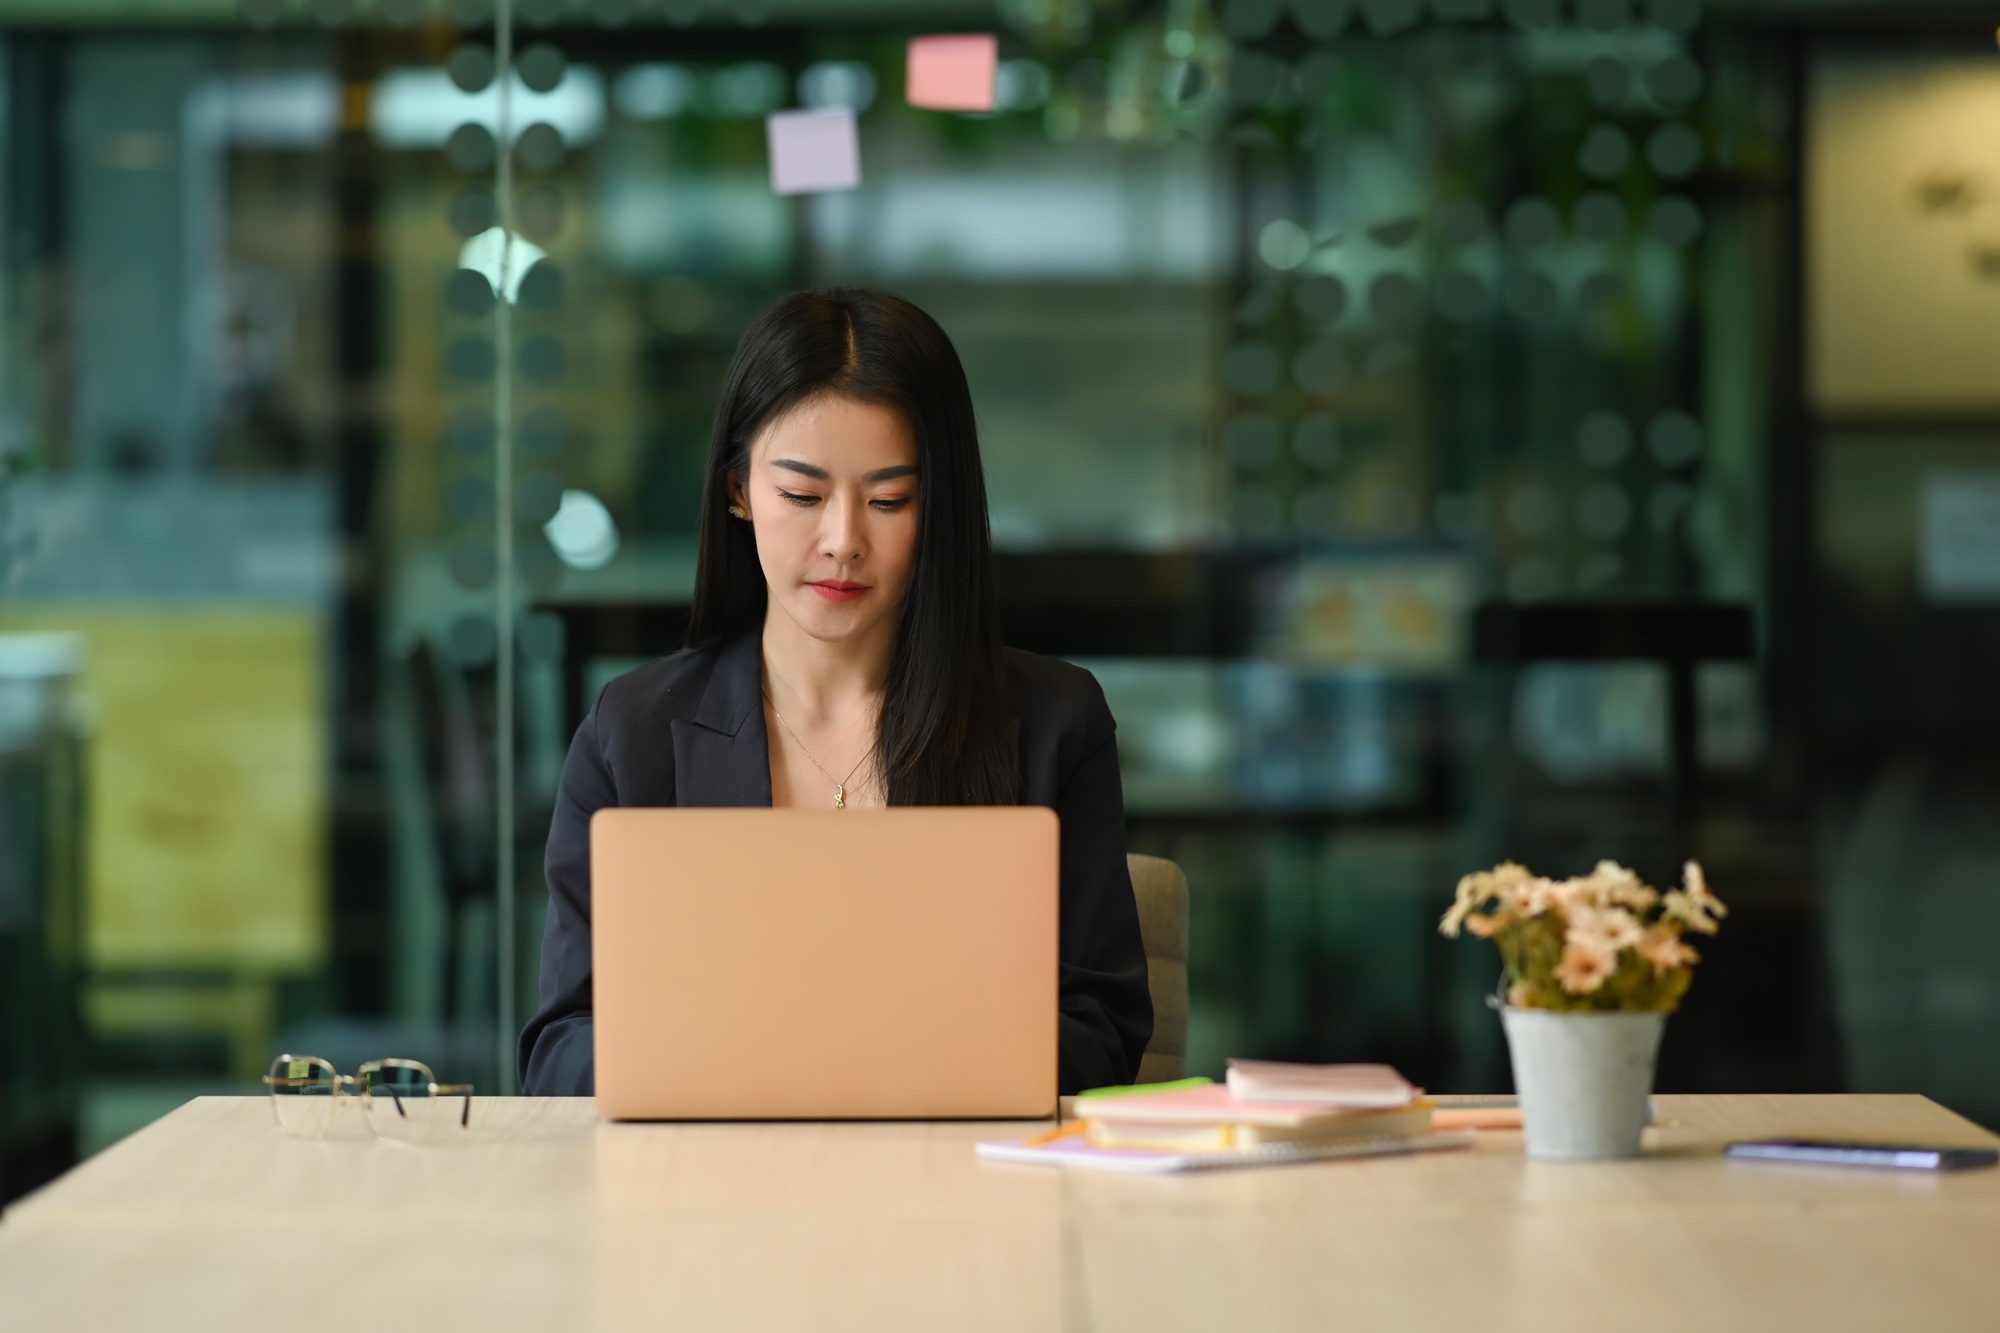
1586 965
1611 928
1612 885
1535 895
1480 889
1664 949
1696 884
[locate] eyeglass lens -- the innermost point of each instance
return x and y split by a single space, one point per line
402 1105
302 1094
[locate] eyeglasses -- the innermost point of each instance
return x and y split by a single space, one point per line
401 1100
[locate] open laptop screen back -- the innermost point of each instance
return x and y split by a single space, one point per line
823 964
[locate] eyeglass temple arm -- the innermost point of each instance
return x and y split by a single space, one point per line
462 1091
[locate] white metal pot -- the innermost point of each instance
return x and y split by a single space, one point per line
1583 1080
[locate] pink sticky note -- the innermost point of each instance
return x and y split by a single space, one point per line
953 73
813 150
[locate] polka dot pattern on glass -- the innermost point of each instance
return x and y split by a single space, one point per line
1599 217
1321 299
1322 20
1533 296
1532 13
541 286
1461 222
1249 20
1462 297
468 293
540 148
1316 440
470 432
470 67
471 149
1603 439
1321 366
1386 18
470 360
472 638
540 433
1532 222
1396 301
1609 80
1675 81
537 497
543 359
1251 440
1675 439
1673 151
542 67
1679 17
1603 15
1675 221
1605 153
1251 369
1603 511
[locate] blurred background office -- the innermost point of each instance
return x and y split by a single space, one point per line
1451 430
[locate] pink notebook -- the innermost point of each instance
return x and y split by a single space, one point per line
1075 1152
1204 1106
1353 1086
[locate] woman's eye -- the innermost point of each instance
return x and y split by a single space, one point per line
801 500
891 506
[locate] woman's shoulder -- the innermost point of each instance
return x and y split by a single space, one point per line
1049 691
666 687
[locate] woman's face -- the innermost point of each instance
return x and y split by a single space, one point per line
832 499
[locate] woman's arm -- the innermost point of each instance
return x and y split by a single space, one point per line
1106 1008
557 1051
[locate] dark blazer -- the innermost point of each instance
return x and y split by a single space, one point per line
688 730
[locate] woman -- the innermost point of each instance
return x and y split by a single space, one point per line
846 653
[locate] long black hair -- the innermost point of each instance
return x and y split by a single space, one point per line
945 733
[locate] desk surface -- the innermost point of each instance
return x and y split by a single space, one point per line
549 1219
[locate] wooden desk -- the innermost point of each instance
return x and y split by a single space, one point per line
548 1219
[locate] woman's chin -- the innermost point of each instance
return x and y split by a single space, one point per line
835 622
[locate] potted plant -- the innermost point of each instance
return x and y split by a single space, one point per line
1594 966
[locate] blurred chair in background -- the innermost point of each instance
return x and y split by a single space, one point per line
42 750
438 997
1162 892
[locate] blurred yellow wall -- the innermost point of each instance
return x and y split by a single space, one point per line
1903 234
206 785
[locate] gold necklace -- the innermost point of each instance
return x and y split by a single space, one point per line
839 784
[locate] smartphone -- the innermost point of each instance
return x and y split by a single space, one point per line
1837 1152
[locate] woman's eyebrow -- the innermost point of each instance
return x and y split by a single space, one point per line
821 474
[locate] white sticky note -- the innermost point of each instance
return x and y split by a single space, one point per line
952 73
813 150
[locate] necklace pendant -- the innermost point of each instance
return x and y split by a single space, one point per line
840 797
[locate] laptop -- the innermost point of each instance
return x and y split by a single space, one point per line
825 964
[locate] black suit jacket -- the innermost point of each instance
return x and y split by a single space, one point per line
688 730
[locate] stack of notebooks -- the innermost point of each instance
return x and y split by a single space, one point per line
1266 1113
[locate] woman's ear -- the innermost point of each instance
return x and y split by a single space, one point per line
738 499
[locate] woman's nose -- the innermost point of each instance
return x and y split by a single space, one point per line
841 537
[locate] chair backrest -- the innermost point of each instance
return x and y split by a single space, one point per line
1162 893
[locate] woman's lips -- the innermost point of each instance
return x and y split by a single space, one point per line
836 591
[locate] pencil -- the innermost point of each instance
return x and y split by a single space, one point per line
1070 1130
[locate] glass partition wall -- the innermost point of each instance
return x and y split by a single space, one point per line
1450 429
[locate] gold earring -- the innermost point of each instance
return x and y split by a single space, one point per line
736 511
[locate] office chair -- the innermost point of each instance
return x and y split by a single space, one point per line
1162 893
